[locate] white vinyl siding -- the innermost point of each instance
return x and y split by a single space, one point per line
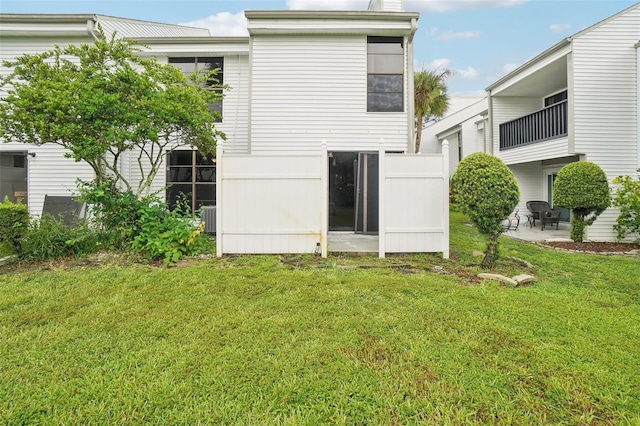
49 172
605 80
605 90
13 47
531 185
235 111
306 89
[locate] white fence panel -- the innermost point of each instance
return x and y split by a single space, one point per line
269 204
416 203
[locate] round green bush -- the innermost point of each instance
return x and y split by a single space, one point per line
486 190
582 187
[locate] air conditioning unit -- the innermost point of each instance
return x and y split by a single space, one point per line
209 219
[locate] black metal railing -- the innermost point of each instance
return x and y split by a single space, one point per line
548 123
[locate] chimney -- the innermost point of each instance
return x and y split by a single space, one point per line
387 5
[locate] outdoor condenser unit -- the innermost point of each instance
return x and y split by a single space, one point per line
209 218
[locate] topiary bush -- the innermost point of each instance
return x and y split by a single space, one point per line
582 187
627 199
486 190
14 222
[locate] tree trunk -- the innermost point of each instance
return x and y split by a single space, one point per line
418 132
491 253
576 230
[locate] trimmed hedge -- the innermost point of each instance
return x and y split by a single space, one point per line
14 222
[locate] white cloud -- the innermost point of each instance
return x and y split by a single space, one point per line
507 68
327 4
559 28
223 24
451 35
449 5
441 64
469 74
438 64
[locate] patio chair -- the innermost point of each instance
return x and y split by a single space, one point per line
544 213
512 222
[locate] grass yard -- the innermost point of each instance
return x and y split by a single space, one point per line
301 340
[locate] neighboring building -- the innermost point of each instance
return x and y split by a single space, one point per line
577 101
463 126
319 121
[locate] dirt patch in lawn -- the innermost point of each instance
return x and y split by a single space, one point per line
595 247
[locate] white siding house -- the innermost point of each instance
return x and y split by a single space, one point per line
29 172
577 101
463 126
319 124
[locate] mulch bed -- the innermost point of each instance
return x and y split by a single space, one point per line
595 247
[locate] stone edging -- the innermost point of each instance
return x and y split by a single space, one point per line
631 253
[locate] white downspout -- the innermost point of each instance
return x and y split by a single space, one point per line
411 147
638 105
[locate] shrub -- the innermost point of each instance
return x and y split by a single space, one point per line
582 187
115 212
168 234
48 238
627 199
14 222
487 191
143 225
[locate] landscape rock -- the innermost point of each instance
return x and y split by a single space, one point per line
477 253
7 259
524 279
498 277
521 261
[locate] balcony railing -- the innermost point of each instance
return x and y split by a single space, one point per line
548 123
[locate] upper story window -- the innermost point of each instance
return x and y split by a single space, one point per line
194 64
555 99
385 74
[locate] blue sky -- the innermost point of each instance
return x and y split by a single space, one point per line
480 39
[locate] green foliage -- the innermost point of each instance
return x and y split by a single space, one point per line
49 238
583 187
143 225
430 98
168 234
114 211
487 191
14 222
627 199
100 102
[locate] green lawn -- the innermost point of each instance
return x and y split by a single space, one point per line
301 340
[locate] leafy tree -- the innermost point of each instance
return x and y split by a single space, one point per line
430 98
627 199
102 102
583 187
487 191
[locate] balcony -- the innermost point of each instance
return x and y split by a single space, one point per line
548 123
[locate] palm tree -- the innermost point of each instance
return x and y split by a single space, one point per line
430 98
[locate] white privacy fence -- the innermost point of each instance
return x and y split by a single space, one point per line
414 203
280 203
